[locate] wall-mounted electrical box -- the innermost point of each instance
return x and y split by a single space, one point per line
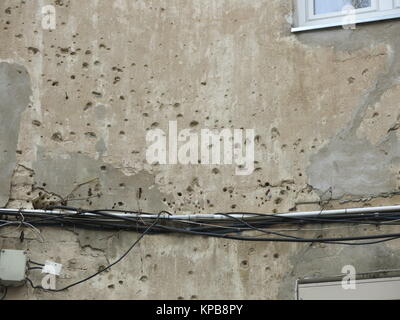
13 265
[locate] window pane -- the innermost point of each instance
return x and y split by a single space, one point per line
327 6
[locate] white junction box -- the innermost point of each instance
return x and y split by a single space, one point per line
13 265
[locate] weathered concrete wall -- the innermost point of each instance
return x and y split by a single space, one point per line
76 103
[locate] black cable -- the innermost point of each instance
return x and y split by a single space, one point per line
306 240
102 270
111 221
35 268
36 263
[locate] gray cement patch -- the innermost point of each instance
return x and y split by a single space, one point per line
351 167
65 175
15 92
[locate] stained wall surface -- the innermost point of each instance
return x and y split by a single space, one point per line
77 102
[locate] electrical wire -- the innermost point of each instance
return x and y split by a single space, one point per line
103 269
36 263
230 228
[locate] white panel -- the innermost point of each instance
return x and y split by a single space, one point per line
386 4
370 289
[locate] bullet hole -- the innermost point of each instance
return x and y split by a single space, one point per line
97 94
85 65
275 133
148 256
120 282
193 297
143 278
194 123
55 84
122 98
177 104
190 272
204 83
90 134
111 286
87 106
57 137
36 123
154 125
244 264
278 200
180 194
215 171
73 77
116 80
88 52
33 50
103 168
120 203
276 255
351 80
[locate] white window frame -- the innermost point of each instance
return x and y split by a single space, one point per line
306 19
